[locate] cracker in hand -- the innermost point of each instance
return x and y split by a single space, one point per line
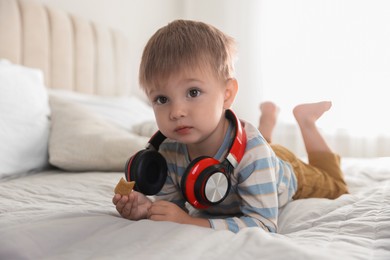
123 187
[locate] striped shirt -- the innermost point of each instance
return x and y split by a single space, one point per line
260 185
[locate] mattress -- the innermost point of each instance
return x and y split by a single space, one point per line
69 215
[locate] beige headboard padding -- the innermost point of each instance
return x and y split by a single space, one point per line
72 52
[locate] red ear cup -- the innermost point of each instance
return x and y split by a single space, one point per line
148 169
205 182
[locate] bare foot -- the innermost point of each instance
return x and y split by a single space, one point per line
310 112
268 117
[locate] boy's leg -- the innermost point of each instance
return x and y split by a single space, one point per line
321 178
323 175
306 116
268 118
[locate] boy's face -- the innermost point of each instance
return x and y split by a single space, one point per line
189 107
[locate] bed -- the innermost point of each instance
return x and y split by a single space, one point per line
69 121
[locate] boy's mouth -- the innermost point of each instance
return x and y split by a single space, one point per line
183 129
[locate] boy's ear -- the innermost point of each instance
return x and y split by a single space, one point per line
230 92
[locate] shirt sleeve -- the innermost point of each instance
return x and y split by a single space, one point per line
170 192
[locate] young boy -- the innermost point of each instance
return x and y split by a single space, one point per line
188 75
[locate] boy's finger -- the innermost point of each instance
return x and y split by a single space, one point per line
121 203
126 210
116 198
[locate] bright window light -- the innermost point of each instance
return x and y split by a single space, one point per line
337 50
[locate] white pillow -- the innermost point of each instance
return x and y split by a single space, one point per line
81 140
147 128
125 112
24 122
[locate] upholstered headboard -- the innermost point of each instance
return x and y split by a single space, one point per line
72 52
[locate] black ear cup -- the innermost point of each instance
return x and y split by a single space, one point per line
148 169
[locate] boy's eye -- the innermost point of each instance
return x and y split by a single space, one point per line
193 93
161 100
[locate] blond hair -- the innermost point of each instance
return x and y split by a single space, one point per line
185 45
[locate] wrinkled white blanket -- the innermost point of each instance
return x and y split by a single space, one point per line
59 215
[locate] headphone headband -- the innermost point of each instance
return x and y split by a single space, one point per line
156 140
236 151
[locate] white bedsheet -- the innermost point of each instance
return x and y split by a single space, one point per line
58 215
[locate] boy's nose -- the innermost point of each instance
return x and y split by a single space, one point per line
177 111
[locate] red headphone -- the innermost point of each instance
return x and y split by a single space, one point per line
205 182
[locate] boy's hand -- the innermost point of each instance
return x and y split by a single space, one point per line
167 211
134 206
